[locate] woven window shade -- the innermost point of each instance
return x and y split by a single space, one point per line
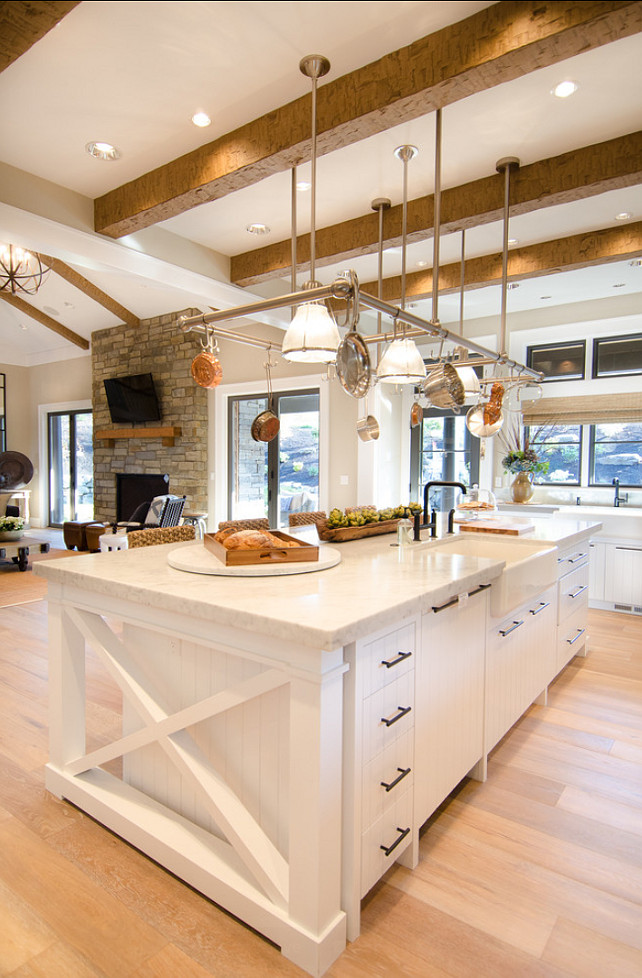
586 409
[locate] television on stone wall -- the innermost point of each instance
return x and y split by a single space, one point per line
132 399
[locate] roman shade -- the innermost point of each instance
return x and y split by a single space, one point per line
586 409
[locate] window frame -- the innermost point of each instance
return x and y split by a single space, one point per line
591 464
558 346
416 451
597 342
546 482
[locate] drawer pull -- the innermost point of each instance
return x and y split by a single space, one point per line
636 550
402 712
580 632
403 772
389 663
576 557
506 631
542 605
471 594
576 594
400 838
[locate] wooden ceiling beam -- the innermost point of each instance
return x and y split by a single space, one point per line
573 176
534 261
497 44
22 24
45 320
89 289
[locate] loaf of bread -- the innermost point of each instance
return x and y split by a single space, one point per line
252 540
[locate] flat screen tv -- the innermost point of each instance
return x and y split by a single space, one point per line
132 399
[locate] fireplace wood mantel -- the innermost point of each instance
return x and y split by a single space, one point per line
167 435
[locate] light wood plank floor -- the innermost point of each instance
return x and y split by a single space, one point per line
535 874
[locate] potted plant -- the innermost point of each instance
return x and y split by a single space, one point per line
11 527
524 463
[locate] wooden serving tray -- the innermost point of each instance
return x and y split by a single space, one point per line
263 555
494 526
341 534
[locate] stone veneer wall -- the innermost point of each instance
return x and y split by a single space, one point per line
157 347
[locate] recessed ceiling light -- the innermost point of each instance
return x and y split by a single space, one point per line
564 89
23 326
513 241
303 185
102 151
513 285
546 296
393 251
636 263
623 216
421 264
201 119
51 311
619 285
257 229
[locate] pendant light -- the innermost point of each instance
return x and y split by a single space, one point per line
20 270
312 336
402 362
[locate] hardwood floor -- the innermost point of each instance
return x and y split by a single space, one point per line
535 874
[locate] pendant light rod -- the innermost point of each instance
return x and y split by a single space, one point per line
293 230
380 204
462 281
314 66
405 154
505 165
436 220
339 289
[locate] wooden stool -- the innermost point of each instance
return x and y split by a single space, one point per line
197 519
93 533
73 533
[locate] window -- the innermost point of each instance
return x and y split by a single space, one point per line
441 447
71 475
617 356
272 479
561 446
616 453
558 361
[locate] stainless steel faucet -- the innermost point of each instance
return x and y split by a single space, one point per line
619 498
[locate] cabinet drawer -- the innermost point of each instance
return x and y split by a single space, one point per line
387 715
385 841
571 637
573 557
386 777
573 592
388 657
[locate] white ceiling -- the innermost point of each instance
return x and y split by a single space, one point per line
133 73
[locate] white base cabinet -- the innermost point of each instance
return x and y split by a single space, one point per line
615 581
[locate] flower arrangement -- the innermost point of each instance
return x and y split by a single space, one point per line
520 457
9 524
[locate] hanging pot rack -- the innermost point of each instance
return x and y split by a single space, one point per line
343 289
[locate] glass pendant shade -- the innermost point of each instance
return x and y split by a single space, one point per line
401 364
312 336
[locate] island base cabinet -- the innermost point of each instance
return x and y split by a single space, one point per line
449 700
521 661
231 753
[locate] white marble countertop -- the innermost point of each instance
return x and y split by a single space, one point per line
374 586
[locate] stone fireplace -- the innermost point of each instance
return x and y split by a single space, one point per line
157 347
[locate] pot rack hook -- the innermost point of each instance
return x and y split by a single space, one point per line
210 342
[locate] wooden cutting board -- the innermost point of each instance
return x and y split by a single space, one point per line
494 526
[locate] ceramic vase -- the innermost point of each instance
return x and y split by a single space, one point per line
7 536
522 487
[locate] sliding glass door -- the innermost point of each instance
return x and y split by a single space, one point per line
71 473
276 478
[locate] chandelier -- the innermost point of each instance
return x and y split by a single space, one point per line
20 270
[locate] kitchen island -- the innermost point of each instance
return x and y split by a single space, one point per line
258 714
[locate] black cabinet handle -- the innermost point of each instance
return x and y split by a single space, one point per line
471 594
389 663
400 838
576 557
506 631
542 605
402 712
577 593
580 632
403 772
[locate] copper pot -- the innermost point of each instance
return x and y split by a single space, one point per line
265 426
206 369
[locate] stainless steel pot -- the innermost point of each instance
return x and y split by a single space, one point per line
368 428
443 387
